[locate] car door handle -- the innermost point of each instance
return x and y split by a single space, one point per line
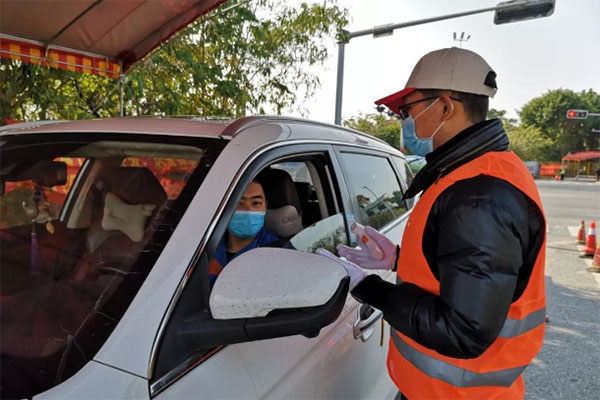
364 327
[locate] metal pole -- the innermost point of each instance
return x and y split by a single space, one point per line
401 140
339 84
382 30
121 85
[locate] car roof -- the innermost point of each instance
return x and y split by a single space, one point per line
142 125
196 127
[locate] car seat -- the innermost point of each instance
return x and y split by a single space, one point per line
130 198
284 212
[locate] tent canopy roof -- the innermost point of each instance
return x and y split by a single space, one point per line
582 156
121 31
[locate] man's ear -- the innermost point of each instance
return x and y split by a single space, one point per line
448 110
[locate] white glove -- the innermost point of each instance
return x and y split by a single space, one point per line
354 272
374 251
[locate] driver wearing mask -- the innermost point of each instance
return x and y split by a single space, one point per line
245 231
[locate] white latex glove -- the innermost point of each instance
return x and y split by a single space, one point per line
355 273
374 251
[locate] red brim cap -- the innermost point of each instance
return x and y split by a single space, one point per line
395 100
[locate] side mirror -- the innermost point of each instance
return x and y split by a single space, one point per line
267 293
268 279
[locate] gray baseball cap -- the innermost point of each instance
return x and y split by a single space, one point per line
455 69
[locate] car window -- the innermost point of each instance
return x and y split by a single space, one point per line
64 288
51 198
298 170
374 189
285 193
282 183
326 234
172 173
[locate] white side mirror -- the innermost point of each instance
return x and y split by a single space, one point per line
266 279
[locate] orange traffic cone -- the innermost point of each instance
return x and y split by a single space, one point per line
596 262
590 243
581 233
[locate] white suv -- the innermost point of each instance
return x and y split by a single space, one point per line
107 230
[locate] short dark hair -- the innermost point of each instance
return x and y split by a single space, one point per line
475 105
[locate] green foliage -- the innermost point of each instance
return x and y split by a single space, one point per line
529 143
501 114
378 125
548 113
229 63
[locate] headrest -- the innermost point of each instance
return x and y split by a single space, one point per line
279 189
135 185
284 221
129 197
127 218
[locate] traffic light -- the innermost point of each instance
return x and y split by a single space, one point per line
577 114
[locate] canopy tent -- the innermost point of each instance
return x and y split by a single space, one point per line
103 37
582 156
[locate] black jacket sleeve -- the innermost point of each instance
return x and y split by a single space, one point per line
476 242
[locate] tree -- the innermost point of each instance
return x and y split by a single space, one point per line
508 122
529 143
378 125
548 113
245 60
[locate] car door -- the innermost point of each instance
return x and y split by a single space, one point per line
374 188
335 364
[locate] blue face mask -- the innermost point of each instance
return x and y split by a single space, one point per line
245 224
420 147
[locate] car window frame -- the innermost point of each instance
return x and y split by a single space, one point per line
399 164
197 274
339 149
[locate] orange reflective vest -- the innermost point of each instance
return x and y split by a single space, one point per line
422 373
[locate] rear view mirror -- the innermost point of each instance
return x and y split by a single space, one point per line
44 173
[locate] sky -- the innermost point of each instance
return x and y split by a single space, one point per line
529 57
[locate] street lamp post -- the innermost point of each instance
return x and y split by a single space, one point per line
383 201
508 11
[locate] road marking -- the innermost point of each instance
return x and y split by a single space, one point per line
573 230
596 275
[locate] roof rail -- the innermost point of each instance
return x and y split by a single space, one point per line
31 124
246 122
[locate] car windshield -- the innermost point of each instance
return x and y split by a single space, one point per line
83 218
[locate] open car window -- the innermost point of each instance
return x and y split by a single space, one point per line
83 221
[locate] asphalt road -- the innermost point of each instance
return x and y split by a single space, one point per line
568 366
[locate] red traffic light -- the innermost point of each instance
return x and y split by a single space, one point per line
577 114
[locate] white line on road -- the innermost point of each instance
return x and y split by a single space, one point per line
596 275
573 230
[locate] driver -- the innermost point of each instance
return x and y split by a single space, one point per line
245 231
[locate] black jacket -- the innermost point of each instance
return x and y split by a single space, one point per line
480 240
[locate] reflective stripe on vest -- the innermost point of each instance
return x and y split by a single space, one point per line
515 327
452 374
464 378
